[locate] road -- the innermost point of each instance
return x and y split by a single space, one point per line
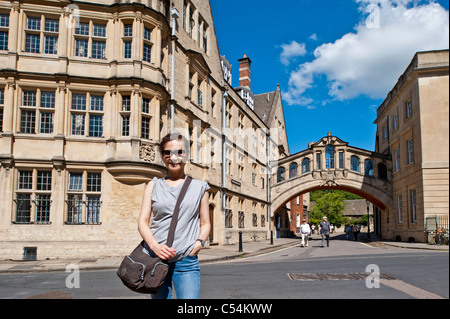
417 273
410 274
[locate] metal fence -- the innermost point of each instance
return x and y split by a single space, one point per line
437 228
437 221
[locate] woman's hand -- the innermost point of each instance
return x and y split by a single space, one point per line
197 247
164 252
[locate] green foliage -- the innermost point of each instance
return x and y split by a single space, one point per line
331 205
315 195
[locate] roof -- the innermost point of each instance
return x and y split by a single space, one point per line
264 105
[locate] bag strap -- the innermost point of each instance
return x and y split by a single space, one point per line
176 212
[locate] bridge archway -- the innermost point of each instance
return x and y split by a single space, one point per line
332 164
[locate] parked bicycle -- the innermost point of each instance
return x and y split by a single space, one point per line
441 237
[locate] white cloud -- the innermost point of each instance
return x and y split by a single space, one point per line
291 51
370 60
313 37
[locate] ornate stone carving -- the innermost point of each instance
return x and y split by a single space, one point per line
147 152
329 178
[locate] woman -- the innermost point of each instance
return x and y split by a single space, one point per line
193 223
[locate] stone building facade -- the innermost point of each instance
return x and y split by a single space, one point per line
412 127
87 90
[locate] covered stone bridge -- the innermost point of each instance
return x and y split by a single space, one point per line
332 164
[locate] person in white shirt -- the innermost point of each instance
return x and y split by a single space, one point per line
305 231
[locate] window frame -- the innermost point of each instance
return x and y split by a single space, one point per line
4 31
413 203
397 159
306 165
400 208
45 36
89 115
146 117
368 168
330 156
87 195
85 34
147 43
408 108
281 174
353 164
42 111
127 39
319 161
37 193
293 170
410 150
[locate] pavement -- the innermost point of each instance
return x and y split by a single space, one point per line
207 255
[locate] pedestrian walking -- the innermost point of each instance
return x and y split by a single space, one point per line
305 231
348 230
324 230
355 231
193 222
313 228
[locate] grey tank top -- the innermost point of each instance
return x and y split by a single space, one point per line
164 198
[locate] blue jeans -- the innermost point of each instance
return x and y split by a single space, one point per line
327 236
185 277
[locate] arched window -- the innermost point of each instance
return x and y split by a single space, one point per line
368 168
354 163
305 165
329 156
280 174
382 171
293 170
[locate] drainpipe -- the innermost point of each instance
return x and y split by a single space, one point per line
224 159
175 15
269 176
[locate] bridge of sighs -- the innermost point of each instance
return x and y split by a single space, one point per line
332 163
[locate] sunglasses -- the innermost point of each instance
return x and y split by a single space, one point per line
168 153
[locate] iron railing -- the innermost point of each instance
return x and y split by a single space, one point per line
437 228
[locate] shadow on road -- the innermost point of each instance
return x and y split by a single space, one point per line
340 236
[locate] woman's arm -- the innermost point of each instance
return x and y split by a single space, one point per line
205 224
162 251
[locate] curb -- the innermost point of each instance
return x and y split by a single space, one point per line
249 254
35 268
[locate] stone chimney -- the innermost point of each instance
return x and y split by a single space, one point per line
244 72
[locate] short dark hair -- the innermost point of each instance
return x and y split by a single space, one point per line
173 137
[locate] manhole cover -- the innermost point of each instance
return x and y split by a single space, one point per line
52 295
343 276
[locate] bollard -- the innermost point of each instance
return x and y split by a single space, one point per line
240 242
271 237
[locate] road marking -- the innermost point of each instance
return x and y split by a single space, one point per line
240 259
385 279
411 290
334 276
366 245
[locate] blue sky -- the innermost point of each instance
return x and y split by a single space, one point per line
335 60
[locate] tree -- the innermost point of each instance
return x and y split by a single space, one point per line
315 195
330 205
